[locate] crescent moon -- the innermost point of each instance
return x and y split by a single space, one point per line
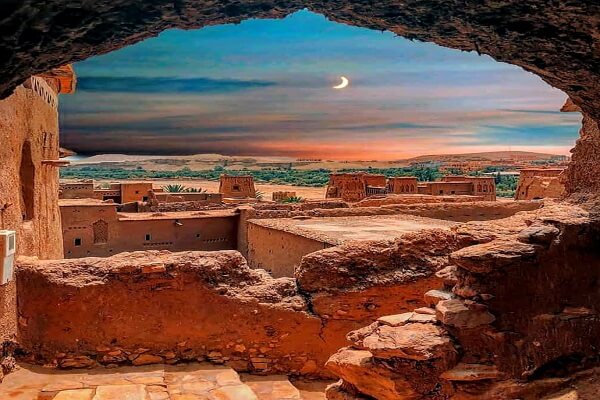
344 83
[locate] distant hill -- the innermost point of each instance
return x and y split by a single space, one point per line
484 156
199 162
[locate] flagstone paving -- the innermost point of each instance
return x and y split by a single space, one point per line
196 381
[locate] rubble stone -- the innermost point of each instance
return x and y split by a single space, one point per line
414 341
455 313
434 296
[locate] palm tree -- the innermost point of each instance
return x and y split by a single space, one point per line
174 188
293 199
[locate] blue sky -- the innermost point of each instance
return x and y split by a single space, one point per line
264 87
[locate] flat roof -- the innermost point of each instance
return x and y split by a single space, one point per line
84 202
169 215
337 230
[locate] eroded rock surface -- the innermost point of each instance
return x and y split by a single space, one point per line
523 313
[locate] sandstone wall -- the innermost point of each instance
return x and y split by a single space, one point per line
28 189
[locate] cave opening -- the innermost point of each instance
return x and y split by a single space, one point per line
429 278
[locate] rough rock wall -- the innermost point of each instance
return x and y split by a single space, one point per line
28 125
519 312
158 306
583 172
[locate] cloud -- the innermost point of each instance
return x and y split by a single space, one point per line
526 134
532 111
391 126
136 84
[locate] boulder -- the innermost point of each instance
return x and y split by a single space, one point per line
358 368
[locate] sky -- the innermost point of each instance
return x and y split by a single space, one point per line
264 88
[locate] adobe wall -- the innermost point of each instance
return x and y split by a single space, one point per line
391 199
78 224
203 233
277 251
282 195
28 125
375 180
76 190
534 186
211 198
98 230
134 191
212 305
26 119
402 184
348 187
237 186
447 188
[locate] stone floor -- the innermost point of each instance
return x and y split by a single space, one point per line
155 382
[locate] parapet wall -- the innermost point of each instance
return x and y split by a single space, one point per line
458 212
157 306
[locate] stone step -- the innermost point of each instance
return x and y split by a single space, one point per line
195 381
272 387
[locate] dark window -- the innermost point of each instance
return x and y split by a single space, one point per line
148 237
236 188
77 241
198 235
145 198
441 192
